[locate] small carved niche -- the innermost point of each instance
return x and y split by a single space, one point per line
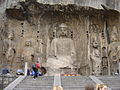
38 32
87 34
22 33
103 34
71 35
53 34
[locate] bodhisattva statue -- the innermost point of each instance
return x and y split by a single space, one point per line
96 61
28 53
114 58
62 52
10 54
114 35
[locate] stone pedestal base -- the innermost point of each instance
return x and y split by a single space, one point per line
52 72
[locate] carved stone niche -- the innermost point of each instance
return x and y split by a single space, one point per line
62 54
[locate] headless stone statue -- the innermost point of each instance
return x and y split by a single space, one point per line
62 53
95 56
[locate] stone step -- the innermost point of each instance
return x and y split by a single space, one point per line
40 83
25 85
30 82
31 88
74 85
35 87
73 88
40 78
75 82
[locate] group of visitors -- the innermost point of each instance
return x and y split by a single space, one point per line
98 87
35 72
87 87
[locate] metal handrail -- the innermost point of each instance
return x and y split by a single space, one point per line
97 81
12 85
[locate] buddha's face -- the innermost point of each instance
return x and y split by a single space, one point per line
28 43
63 29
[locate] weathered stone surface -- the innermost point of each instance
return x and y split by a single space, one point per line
91 31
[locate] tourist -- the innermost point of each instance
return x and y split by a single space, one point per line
89 87
28 72
5 71
101 87
35 68
20 72
57 88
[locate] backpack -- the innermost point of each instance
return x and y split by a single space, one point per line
33 66
37 65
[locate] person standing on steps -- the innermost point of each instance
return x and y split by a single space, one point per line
35 68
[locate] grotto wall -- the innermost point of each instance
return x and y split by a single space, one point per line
30 27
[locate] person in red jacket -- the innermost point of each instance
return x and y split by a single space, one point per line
35 68
37 65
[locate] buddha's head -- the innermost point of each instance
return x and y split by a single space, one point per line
28 43
63 29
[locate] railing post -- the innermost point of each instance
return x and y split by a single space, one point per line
57 82
26 67
2 82
119 67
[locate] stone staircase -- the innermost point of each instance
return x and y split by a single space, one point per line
75 82
112 81
67 82
47 83
40 83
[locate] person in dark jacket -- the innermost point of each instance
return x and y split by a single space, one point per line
35 68
5 71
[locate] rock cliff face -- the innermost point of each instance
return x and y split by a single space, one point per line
29 28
